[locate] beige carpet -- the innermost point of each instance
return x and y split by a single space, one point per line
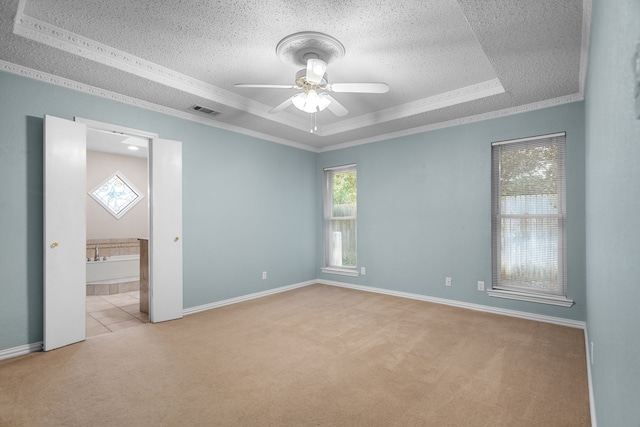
315 356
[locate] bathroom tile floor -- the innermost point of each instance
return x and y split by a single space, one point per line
110 313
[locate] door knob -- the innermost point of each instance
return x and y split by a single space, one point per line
176 239
54 244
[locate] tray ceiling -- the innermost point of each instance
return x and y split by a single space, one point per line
446 61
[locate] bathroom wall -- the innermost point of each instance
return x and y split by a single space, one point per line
100 223
113 247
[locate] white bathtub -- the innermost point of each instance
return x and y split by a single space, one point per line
115 269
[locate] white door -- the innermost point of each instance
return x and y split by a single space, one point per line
165 230
64 232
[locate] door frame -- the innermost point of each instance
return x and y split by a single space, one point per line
149 136
153 140
157 248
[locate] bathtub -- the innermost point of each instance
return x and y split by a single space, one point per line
113 270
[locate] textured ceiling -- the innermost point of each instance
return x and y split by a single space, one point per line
445 61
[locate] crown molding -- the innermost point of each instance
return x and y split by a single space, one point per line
91 90
113 96
446 99
58 38
463 120
584 50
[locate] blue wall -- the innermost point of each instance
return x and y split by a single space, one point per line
249 205
613 208
424 208
253 206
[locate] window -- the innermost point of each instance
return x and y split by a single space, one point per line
528 220
116 194
340 213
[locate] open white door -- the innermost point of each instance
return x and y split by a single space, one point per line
165 230
64 232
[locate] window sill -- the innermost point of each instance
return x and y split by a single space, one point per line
522 296
340 271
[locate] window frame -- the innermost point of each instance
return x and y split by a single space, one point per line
121 177
510 291
328 218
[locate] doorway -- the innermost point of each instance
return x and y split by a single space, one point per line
117 226
65 250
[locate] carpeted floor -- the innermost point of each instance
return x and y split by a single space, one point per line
315 356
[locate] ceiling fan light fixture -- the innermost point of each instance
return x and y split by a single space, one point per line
310 101
314 51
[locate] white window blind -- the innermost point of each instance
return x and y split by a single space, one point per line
340 216
528 216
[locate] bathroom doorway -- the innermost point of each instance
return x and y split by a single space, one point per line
65 244
117 228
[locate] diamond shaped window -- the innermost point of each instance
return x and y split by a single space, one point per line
116 194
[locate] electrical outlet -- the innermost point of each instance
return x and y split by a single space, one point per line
264 275
363 271
480 285
447 281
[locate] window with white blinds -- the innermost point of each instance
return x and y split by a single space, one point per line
528 219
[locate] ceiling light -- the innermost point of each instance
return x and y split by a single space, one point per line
310 101
136 142
133 148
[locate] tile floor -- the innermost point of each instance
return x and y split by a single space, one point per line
110 313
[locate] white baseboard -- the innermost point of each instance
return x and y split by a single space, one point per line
21 350
513 313
30 348
477 307
592 401
248 297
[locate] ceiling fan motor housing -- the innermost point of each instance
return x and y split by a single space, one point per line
301 81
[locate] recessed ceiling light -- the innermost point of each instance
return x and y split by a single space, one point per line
138 142
133 148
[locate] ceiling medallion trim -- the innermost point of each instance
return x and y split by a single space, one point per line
296 48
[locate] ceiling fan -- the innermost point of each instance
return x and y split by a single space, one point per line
315 51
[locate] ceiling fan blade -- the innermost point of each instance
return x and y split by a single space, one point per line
254 85
282 106
335 107
359 87
315 70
